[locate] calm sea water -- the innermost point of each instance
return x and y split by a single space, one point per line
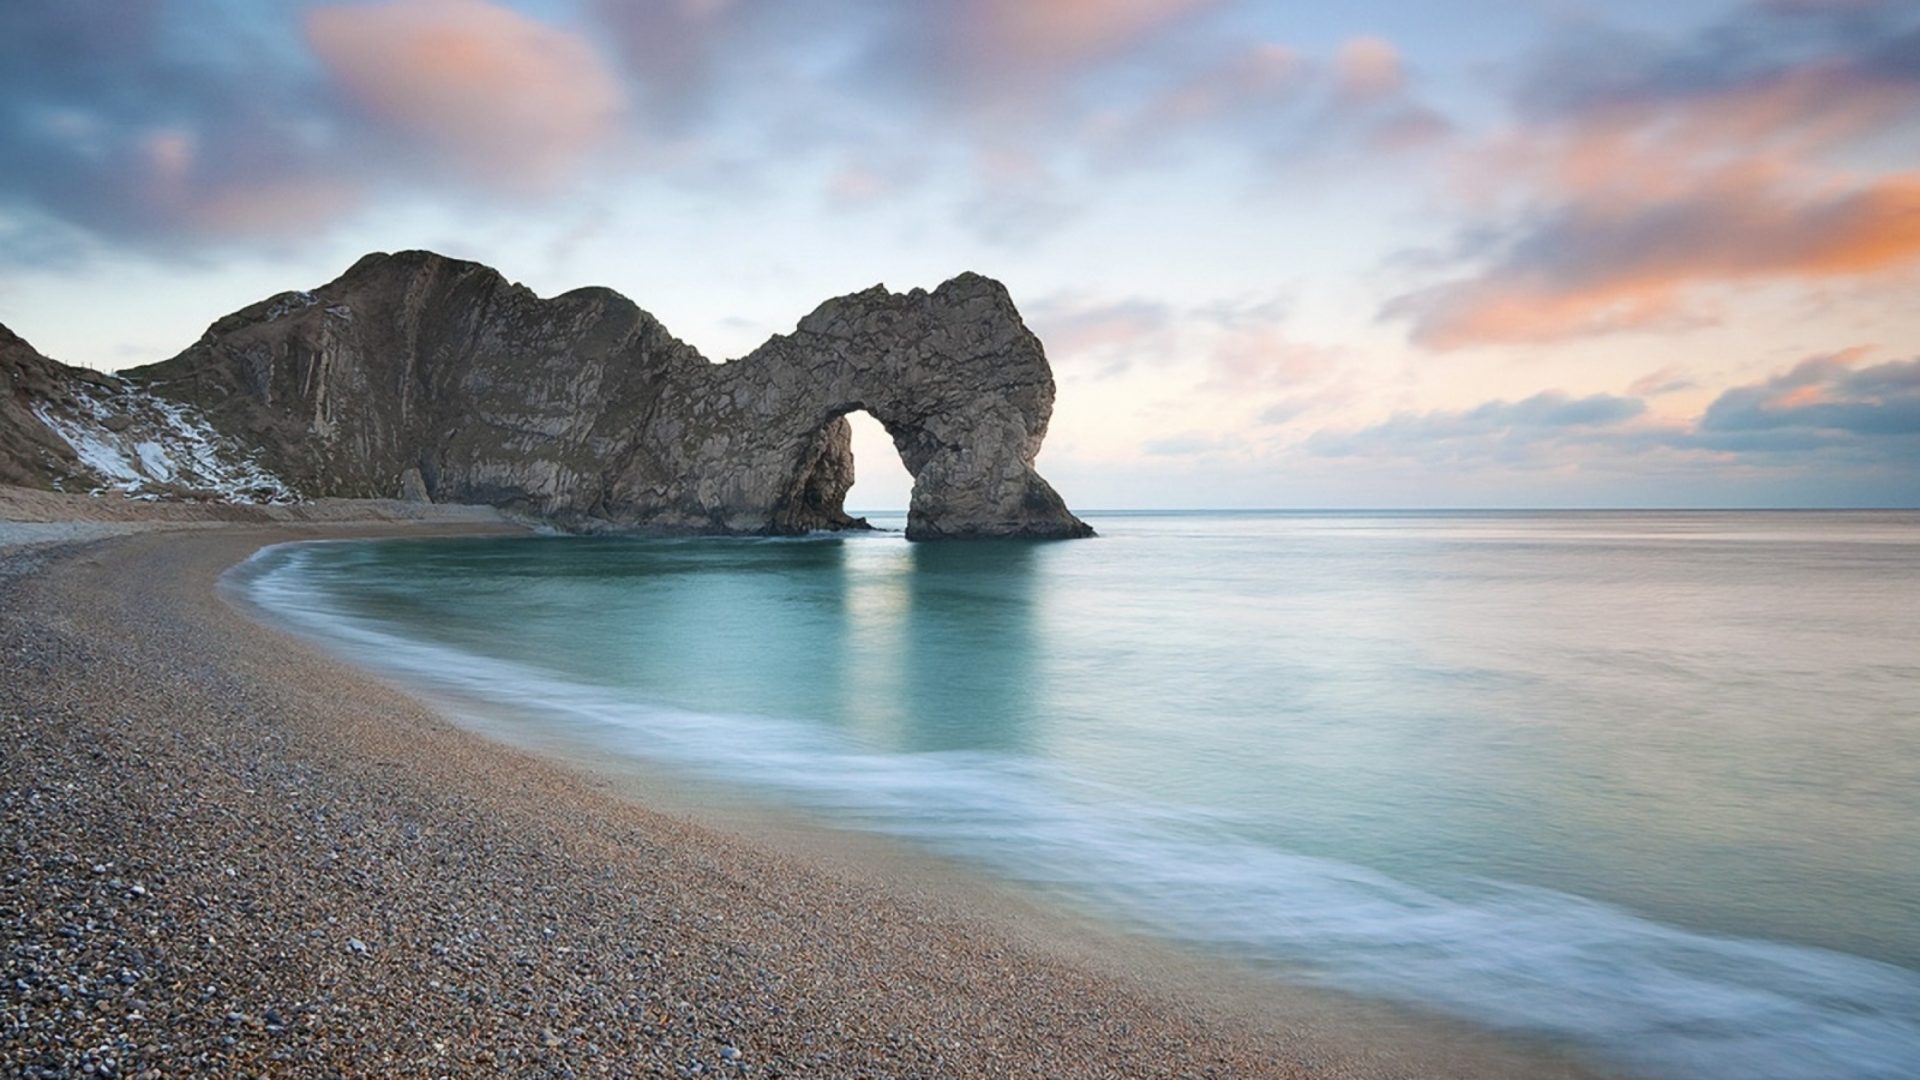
1646 785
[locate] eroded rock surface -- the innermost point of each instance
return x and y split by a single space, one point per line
422 377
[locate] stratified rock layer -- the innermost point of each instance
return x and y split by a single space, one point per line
414 375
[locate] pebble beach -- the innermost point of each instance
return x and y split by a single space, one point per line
229 854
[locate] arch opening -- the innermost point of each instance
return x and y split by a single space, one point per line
824 474
882 487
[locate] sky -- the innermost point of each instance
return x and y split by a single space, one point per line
1382 253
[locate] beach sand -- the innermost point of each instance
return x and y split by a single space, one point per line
231 854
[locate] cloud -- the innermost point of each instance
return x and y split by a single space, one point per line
129 121
1545 416
1237 348
1243 91
1826 397
1276 104
1369 68
676 49
999 53
1831 424
1014 215
1190 444
1267 356
1650 176
116 125
870 181
490 88
1667 380
123 123
980 67
1594 267
1249 350
1281 412
1074 328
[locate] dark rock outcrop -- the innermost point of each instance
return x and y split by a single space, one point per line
418 376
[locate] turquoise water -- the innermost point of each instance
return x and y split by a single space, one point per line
1645 785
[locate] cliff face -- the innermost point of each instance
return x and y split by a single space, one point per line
31 455
72 429
418 376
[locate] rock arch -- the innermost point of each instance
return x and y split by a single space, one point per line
955 377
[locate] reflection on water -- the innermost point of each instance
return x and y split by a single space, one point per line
1646 783
973 600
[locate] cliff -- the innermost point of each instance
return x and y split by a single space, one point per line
414 375
73 429
30 453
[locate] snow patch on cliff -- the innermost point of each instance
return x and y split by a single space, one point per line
147 446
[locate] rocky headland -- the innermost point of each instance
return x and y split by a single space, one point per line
420 377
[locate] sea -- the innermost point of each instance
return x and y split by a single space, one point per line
1641 786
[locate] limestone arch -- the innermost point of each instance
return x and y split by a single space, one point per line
960 384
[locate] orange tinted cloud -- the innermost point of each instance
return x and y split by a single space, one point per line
1638 200
1645 149
486 86
1604 268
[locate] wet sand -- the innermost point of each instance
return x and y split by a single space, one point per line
232 854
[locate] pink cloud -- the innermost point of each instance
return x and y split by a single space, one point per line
1369 68
1079 329
1265 356
174 183
485 86
1667 380
170 154
1037 33
285 206
1006 57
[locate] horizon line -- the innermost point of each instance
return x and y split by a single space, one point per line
1464 510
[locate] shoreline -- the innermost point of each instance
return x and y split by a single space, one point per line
661 940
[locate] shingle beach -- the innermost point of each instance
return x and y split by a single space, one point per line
228 854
